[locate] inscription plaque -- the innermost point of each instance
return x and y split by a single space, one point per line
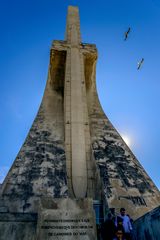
70 219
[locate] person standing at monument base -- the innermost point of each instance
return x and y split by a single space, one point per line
127 226
108 228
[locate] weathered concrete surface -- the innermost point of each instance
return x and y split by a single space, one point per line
40 167
18 226
125 182
66 219
147 227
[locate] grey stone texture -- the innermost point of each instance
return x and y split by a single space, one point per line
39 169
72 150
18 226
125 182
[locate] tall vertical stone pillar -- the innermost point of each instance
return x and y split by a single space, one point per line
75 107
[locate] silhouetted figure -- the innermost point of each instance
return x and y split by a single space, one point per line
120 234
108 228
113 214
126 33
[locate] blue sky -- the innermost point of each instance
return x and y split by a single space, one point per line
130 98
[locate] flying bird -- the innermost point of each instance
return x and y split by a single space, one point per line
140 63
126 33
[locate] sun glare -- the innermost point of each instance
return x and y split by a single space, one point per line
127 140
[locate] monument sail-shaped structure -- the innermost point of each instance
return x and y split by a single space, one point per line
72 150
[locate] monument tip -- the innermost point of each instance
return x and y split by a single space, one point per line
72 8
73 25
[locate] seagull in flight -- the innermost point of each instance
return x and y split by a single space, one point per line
126 33
140 63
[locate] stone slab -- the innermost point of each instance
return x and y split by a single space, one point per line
67 220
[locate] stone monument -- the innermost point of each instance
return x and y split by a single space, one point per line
73 159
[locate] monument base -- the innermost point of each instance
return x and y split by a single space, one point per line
57 219
18 226
66 219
